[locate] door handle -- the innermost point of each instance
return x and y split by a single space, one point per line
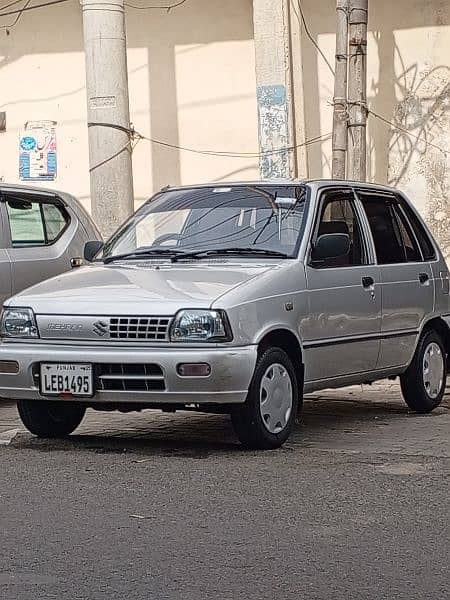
367 282
423 278
76 262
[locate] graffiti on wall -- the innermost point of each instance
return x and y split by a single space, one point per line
421 160
273 131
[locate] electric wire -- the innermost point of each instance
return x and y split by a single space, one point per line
17 19
238 154
368 109
403 130
33 7
311 37
168 8
10 4
27 7
133 134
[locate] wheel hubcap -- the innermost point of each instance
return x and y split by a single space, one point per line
275 398
433 370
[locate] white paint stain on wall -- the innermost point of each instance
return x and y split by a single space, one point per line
273 131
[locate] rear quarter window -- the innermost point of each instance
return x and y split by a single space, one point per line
55 221
424 240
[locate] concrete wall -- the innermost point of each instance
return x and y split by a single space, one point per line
192 84
408 83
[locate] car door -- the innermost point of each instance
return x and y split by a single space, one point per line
5 264
406 278
341 332
40 230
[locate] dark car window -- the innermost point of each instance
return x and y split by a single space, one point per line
393 240
421 234
35 223
411 248
338 216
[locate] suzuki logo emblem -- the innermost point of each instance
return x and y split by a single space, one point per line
100 328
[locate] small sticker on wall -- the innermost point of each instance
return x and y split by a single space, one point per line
37 151
102 101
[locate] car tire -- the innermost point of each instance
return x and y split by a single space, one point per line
423 383
260 430
50 419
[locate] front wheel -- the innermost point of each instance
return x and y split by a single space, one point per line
50 419
423 383
266 419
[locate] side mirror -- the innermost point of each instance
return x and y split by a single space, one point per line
331 245
91 249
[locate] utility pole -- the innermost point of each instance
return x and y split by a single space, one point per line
339 143
357 89
112 198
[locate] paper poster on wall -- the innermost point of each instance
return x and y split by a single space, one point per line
37 151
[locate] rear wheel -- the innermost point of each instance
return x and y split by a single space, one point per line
50 419
266 419
423 383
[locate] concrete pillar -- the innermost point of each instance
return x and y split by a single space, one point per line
105 45
271 22
357 90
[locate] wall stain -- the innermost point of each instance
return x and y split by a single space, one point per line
423 158
273 131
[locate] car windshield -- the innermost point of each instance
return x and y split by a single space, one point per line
236 218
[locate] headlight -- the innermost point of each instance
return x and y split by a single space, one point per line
18 323
200 326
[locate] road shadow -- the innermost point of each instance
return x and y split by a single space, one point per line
197 435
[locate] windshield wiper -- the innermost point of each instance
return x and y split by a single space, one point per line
141 254
228 251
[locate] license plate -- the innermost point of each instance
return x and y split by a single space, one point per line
75 379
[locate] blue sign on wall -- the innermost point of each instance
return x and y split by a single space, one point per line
37 151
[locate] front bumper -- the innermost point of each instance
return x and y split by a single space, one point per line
231 372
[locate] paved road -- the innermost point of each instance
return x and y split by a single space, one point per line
150 506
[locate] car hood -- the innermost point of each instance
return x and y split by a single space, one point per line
137 290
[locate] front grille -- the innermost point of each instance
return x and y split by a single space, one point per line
139 328
129 377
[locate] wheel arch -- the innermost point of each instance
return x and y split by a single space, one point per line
284 338
439 325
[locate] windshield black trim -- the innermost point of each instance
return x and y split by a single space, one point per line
200 254
141 255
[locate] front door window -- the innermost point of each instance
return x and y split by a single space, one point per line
338 216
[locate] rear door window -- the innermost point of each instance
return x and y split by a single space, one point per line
392 236
35 223
25 222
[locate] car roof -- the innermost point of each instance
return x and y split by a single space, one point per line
17 187
317 183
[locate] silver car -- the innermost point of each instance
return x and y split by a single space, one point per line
235 298
42 234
